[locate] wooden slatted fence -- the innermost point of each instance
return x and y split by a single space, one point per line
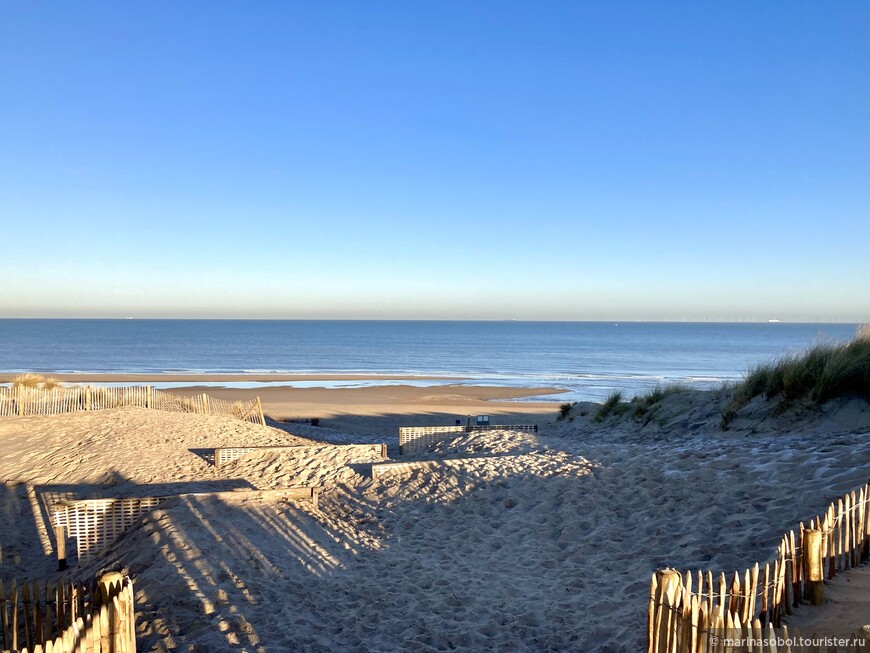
22 401
96 523
224 455
67 617
697 611
415 438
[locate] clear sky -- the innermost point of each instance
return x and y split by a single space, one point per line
528 160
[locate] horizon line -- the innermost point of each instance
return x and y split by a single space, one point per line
772 321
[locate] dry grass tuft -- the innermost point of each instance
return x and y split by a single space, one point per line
27 380
823 372
31 380
564 411
611 405
645 404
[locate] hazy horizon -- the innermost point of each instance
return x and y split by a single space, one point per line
354 319
568 161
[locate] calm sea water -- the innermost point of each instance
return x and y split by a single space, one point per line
588 358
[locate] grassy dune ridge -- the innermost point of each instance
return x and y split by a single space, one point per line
824 372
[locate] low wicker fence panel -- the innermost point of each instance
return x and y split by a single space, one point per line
417 438
96 523
224 455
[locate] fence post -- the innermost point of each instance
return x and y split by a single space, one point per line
260 410
111 584
149 401
60 536
88 398
813 574
204 404
663 621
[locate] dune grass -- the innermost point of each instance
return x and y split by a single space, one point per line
823 372
31 380
645 402
611 405
564 411
640 406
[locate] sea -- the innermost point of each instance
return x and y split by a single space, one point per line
588 359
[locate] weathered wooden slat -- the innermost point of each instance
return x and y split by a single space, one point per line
766 590
14 605
834 541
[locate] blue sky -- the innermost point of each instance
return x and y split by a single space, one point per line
528 160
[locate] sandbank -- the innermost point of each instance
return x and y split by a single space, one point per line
382 409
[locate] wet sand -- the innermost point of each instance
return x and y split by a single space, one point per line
383 409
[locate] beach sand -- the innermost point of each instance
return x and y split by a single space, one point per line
258 377
846 609
383 409
507 542
380 409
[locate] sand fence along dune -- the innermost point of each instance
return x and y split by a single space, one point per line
67 616
696 611
18 401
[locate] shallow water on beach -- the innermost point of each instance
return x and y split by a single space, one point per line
589 358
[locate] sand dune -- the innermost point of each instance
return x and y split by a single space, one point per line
512 541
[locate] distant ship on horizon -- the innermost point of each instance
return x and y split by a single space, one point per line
773 321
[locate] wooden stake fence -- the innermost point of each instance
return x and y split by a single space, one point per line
698 611
68 617
21 401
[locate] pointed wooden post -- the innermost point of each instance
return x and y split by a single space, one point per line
813 573
668 583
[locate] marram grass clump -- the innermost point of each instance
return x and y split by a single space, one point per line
613 404
823 372
641 406
564 411
644 403
31 380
